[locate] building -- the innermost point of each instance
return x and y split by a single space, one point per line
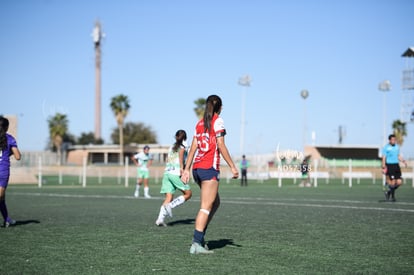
110 154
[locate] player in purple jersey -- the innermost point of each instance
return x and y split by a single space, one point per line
8 147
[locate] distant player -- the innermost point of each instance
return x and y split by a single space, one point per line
305 169
143 160
8 147
244 164
391 167
171 180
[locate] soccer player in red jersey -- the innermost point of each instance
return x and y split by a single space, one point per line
208 143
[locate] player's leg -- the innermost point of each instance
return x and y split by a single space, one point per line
208 194
146 189
180 200
389 176
207 181
168 190
3 208
397 184
395 176
184 188
145 177
163 213
391 189
137 187
216 205
139 183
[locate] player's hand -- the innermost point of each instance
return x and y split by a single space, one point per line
235 172
384 170
185 177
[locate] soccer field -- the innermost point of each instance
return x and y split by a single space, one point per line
259 229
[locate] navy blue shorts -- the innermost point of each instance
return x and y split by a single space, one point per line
200 175
394 171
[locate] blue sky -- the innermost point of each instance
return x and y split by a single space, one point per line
165 54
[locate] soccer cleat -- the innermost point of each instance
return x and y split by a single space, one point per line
196 248
147 196
9 222
168 210
136 194
160 223
387 195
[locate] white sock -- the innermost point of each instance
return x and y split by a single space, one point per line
177 201
137 188
146 189
161 215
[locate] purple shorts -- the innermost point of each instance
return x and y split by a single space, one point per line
200 175
4 182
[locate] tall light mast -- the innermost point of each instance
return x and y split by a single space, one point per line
245 82
407 105
97 36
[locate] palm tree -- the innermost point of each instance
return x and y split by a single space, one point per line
58 127
120 106
199 109
399 130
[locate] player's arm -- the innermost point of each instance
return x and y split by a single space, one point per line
401 159
226 155
185 177
16 153
384 166
181 159
134 160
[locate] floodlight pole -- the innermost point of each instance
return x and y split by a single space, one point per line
245 82
384 87
304 94
97 38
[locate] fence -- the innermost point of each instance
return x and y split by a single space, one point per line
44 170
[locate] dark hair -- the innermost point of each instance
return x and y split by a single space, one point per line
4 126
180 136
391 136
213 105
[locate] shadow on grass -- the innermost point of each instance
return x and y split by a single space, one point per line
24 222
186 221
217 244
18 223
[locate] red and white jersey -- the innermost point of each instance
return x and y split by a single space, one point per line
208 155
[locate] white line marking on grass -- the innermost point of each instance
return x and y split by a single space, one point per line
83 196
256 201
322 206
315 200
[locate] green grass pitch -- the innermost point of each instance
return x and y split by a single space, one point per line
259 229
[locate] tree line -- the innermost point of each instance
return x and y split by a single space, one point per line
125 133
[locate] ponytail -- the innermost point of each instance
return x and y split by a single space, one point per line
180 137
213 106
